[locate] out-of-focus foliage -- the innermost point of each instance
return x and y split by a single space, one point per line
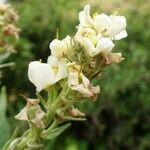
8 33
119 119
8 30
8 37
4 125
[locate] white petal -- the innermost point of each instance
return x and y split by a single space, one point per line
67 40
52 60
102 22
88 45
103 45
121 35
53 44
40 74
118 25
58 48
84 17
62 71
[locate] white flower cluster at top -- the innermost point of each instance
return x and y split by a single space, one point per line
94 38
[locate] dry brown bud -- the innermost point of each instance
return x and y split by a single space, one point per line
32 112
11 30
76 113
109 58
8 12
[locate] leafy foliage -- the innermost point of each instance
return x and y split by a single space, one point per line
4 125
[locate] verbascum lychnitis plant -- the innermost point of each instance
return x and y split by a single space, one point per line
67 78
8 32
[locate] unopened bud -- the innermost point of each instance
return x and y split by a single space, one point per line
76 113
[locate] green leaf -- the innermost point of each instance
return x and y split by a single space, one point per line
15 134
4 125
3 57
53 133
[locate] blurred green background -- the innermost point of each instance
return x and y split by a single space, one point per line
120 118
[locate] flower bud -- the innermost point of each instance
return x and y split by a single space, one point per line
76 113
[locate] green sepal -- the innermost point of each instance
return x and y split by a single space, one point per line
31 112
53 133
33 145
42 100
73 118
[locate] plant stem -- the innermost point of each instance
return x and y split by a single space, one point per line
33 135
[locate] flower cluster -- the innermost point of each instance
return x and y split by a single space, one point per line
93 39
8 30
68 74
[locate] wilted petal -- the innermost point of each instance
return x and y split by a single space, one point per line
22 115
38 120
109 58
74 70
76 113
78 82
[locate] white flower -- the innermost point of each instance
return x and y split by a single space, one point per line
43 75
77 81
111 26
59 48
93 43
